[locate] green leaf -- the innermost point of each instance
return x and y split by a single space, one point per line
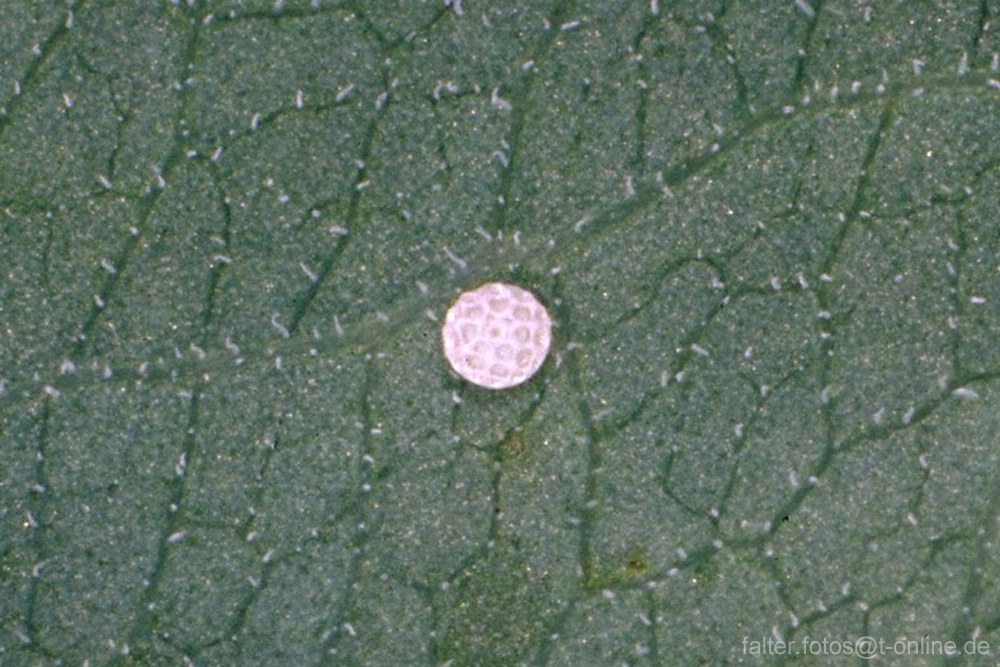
767 234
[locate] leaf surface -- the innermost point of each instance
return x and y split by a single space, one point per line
767 234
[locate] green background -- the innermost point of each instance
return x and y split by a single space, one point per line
768 234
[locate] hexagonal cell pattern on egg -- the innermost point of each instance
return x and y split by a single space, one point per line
497 335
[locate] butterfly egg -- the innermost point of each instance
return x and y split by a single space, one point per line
497 335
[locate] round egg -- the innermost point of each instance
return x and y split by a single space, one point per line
497 335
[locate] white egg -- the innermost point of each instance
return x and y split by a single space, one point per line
497 335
